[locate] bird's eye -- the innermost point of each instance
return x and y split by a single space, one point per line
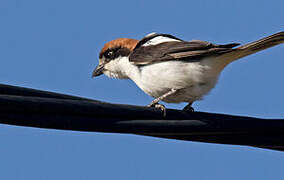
110 54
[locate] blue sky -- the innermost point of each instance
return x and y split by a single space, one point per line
53 45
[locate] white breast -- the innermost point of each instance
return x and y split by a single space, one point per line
194 79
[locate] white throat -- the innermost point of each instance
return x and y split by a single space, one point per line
121 68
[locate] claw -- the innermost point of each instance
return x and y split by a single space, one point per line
159 106
188 108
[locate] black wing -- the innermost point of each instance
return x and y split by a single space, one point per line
176 50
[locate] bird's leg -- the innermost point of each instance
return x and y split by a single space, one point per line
155 104
155 101
188 108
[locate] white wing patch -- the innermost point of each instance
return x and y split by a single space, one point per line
158 40
150 34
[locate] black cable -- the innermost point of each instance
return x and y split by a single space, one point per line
33 108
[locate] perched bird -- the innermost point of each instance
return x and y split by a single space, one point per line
173 70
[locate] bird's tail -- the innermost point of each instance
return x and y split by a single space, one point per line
254 47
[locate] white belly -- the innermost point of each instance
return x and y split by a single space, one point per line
193 80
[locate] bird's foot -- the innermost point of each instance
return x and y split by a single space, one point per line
159 106
188 108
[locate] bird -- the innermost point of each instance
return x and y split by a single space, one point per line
171 69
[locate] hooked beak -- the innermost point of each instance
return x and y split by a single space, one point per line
98 70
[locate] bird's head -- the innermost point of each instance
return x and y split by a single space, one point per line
113 57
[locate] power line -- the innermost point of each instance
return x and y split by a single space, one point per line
42 109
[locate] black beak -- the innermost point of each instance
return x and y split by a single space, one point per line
98 70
